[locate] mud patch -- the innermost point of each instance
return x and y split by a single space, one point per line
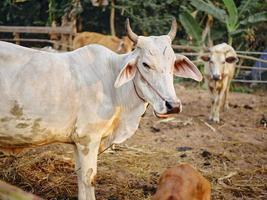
22 125
16 110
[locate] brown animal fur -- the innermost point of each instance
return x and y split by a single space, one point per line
114 43
182 182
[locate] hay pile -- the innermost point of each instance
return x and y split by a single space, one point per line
46 174
130 173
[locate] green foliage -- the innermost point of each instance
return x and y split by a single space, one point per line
239 21
258 17
30 12
209 8
57 8
244 6
232 17
191 26
244 21
150 16
240 88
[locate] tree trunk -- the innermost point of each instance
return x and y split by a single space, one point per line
112 18
206 32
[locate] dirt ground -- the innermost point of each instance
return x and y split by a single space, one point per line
232 155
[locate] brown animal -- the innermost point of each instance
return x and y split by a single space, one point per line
182 182
10 192
114 43
219 71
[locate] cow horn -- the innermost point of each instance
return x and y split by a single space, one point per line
130 33
173 30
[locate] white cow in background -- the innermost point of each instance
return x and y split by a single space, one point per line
219 71
90 97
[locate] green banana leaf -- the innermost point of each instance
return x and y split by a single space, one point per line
19 1
209 8
191 26
232 18
243 6
259 17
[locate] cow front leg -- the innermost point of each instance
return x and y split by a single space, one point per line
87 155
81 186
211 109
219 103
214 95
214 115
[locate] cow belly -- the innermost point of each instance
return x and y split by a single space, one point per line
28 132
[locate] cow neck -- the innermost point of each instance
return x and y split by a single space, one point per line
129 89
138 93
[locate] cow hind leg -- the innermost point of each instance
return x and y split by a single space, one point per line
225 102
87 154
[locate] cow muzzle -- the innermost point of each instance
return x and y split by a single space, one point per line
216 77
171 107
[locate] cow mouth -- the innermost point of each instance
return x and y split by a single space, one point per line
161 115
167 114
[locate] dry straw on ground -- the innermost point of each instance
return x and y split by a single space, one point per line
233 157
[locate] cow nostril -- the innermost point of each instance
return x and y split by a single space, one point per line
216 77
168 105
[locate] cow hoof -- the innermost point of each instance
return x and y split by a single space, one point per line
210 118
214 120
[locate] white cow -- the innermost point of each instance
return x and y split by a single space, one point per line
89 97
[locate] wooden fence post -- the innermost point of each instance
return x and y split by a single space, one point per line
54 36
16 38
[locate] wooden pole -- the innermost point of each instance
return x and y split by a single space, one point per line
252 58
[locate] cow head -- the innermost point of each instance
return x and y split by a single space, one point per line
127 45
219 56
151 67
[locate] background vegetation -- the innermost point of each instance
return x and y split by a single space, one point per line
241 22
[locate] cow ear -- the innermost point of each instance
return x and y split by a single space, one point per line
126 74
205 58
183 67
231 59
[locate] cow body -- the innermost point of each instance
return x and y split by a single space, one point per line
47 97
182 182
114 43
219 71
50 97
90 97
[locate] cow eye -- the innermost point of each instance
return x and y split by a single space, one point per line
211 62
146 65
